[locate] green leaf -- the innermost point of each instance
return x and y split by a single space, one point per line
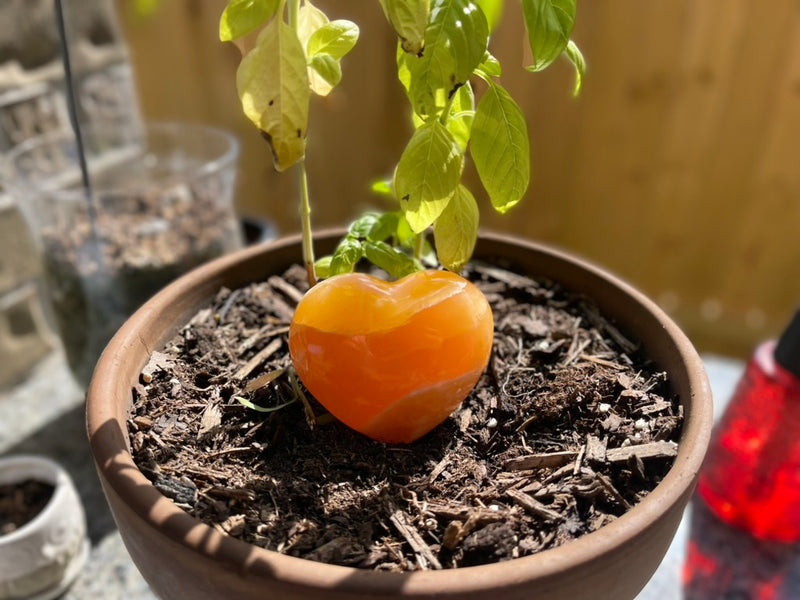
575 56
500 148
322 267
409 19
462 113
427 174
549 24
273 87
490 65
456 230
347 254
493 9
455 43
391 260
309 20
403 72
385 227
325 73
335 38
405 235
382 187
361 227
240 17
325 43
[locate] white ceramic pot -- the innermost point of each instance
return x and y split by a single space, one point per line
40 560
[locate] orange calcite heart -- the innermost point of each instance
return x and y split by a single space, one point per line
392 360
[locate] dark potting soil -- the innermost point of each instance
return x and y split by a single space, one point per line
98 277
21 502
568 428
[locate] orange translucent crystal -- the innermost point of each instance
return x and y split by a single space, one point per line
392 359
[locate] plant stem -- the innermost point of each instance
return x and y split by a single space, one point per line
294 9
305 204
311 418
419 245
305 219
446 112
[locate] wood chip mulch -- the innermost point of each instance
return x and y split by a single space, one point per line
567 430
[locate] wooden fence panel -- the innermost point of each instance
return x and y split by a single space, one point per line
676 168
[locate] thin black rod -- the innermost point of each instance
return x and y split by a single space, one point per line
72 109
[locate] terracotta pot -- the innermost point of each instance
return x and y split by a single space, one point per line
183 558
41 559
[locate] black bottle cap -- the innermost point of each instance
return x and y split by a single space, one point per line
787 352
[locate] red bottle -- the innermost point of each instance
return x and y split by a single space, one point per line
751 475
745 524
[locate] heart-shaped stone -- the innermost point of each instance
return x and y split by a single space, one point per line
392 359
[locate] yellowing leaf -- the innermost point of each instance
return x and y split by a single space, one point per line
408 18
240 17
456 230
336 39
326 46
309 19
500 148
324 73
427 174
273 87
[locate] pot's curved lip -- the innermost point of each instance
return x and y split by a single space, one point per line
122 475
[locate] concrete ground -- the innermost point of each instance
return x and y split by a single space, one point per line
45 415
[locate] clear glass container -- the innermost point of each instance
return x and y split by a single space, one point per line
161 203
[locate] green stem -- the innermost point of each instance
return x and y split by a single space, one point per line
305 219
446 112
294 9
419 245
305 204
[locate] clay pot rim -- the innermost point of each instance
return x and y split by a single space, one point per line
124 478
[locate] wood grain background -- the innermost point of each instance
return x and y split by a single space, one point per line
677 168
